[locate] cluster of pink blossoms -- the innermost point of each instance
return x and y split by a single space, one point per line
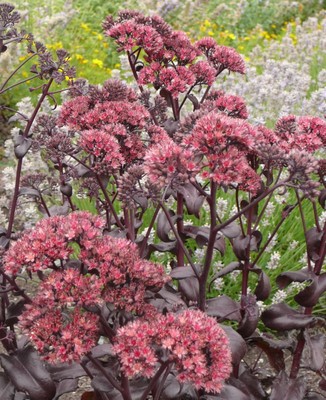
221 57
49 241
175 80
302 133
110 127
121 273
124 276
56 322
171 61
196 345
71 245
224 144
168 164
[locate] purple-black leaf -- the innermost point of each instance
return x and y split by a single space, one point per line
190 288
263 287
237 344
66 386
314 243
27 373
192 198
322 198
59 210
164 227
22 145
273 349
4 242
309 296
253 211
182 272
227 269
314 396
322 384
13 312
224 307
27 191
282 317
62 371
102 350
240 247
230 392
163 247
7 389
231 231
284 279
66 189
84 172
315 345
256 238
288 389
241 387
250 318
100 383
253 385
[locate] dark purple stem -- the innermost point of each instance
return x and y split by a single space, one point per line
20 161
180 252
210 248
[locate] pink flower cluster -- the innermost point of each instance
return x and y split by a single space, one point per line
129 34
303 133
49 241
110 127
224 144
56 322
196 346
104 147
124 276
221 57
170 56
120 272
168 164
175 80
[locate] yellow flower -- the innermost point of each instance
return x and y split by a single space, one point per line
210 33
231 36
85 27
25 74
55 46
97 62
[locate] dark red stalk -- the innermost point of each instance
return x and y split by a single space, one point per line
180 252
179 240
20 161
149 229
153 381
210 248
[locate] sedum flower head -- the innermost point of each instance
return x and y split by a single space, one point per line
195 345
302 133
221 57
222 145
124 275
56 322
167 163
50 240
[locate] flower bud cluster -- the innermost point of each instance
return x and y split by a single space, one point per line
196 345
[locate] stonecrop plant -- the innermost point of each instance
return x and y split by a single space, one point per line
119 279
